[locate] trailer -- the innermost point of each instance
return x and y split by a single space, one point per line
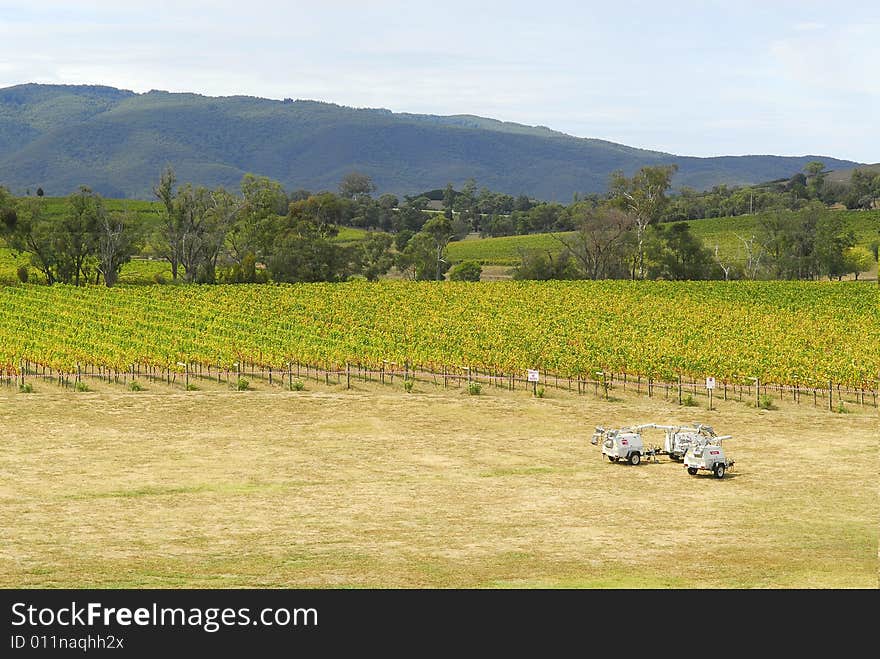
709 458
697 445
625 444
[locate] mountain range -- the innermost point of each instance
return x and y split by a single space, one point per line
59 137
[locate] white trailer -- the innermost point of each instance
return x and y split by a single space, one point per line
696 444
709 457
624 444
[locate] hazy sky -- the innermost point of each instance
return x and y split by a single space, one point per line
693 78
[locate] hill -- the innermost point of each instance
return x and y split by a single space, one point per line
844 175
59 137
720 231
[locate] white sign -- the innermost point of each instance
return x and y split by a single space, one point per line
533 376
710 383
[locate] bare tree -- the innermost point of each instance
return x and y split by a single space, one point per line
724 268
754 252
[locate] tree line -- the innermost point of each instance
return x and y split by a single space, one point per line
258 234
630 235
261 233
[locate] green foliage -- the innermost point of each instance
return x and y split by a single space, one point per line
26 388
474 388
689 401
673 252
542 266
466 271
191 387
297 385
80 386
23 273
135 386
857 260
242 384
421 259
374 255
539 392
765 402
408 386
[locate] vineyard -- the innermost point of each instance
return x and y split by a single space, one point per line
785 333
720 231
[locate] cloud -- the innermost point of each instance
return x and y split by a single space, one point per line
843 61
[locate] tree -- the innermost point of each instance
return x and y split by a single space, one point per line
375 258
27 230
857 260
78 227
753 252
258 214
466 271
40 192
170 235
675 253
117 241
815 171
304 250
864 189
599 239
775 234
644 197
448 200
418 260
832 240
441 231
355 184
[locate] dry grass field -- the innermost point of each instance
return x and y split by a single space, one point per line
378 488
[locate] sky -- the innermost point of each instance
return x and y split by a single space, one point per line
784 77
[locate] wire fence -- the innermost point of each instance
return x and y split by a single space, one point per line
684 390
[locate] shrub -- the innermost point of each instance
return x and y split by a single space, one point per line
26 388
191 387
539 392
466 271
408 385
765 402
80 386
689 401
135 386
297 385
242 384
474 388
23 274
159 278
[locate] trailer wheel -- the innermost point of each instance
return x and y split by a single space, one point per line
719 470
635 459
692 471
610 459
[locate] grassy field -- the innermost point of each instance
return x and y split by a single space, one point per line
376 488
719 231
